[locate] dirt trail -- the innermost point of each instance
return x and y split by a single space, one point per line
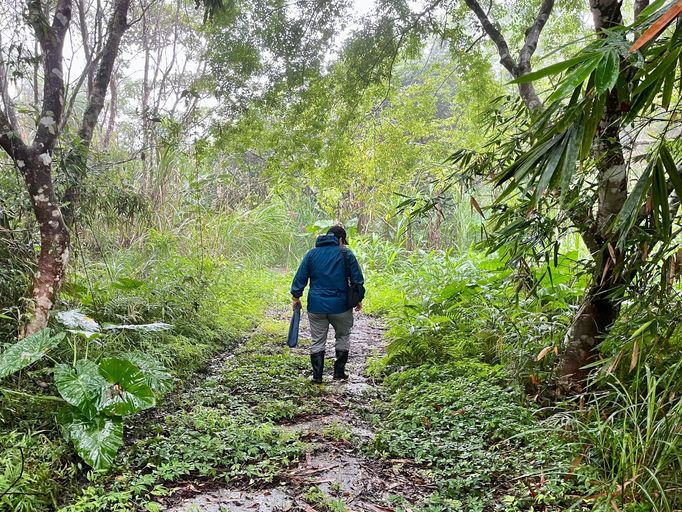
336 466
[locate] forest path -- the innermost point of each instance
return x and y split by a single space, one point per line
334 474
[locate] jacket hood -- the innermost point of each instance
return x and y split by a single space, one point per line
326 240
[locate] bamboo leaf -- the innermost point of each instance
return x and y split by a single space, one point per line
658 72
641 329
668 89
660 196
523 165
551 164
649 10
476 206
630 210
591 125
635 355
551 70
543 353
657 27
576 79
572 150
671 168
607 72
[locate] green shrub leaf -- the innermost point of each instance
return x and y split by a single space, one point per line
96 439
80 385
27 351
128 391
155 373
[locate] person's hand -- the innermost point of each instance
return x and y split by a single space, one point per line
295 301
358 307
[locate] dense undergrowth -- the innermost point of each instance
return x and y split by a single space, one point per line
471 360
207 293
221 428
468 372
471 431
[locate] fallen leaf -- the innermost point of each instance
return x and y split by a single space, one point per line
544 353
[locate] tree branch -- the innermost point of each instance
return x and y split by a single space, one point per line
51 40
10 140
523 66
533 35
502 48
7 103
639 6
117 26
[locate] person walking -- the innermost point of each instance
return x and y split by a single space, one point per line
336 287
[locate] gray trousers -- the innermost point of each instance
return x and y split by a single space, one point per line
319 327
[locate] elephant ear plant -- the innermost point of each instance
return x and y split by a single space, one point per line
98 395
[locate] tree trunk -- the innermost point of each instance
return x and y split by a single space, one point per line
601 305
35 161
523 65
147 165
54 243
113 111
594 319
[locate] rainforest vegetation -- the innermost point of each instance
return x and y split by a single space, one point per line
509 174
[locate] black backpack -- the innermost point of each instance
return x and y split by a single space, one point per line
353 288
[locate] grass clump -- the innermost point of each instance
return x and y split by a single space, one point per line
631 439
32 468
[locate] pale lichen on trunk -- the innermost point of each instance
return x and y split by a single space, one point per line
54 246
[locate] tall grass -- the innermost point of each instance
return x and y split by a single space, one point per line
633 431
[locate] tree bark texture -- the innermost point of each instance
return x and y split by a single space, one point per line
54 243
34 162
113 111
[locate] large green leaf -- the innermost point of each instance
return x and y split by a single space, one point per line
27 351
80 385
96 439
158 377
128 391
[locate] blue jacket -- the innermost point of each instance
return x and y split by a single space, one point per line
324 266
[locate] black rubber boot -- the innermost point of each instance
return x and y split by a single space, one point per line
340 365
317 361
